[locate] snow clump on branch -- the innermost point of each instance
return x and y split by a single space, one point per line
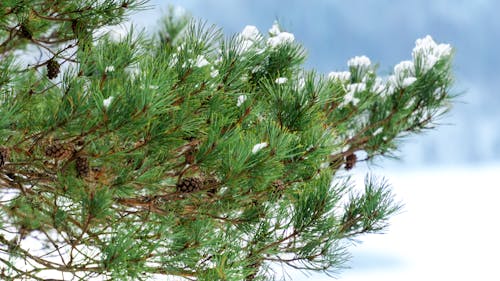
256 148
359 61
278 37
107 101
426 53
249 36
281 80
344 76
241 100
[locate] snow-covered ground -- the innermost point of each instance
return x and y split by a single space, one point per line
448 229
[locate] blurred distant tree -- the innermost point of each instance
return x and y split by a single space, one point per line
188 154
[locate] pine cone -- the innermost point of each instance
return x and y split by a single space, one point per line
350 161
74 27
4 156
25 32
53 68
82 167
191 184
60 150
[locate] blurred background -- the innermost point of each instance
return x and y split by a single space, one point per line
447 178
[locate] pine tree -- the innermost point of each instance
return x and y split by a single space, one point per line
188 153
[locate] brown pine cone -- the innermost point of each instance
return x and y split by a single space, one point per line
82 167
25 32
190 184
350 161
53 68
60 150
4 156
74 27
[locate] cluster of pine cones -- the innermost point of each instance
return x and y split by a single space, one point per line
53 67
64 151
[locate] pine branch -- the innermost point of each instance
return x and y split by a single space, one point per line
188 154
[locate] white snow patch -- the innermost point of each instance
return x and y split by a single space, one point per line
408 81
281 80
201 61
256 148
427 52
359 61
250 32
343 76
241 100
280 39
107 101
109 68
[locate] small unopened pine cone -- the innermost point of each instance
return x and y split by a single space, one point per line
53 69
25 32
82 167
350 161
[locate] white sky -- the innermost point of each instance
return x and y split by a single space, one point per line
448 229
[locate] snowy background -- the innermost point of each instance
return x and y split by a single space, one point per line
447 178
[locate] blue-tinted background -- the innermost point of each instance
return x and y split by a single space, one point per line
334 31
447 178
